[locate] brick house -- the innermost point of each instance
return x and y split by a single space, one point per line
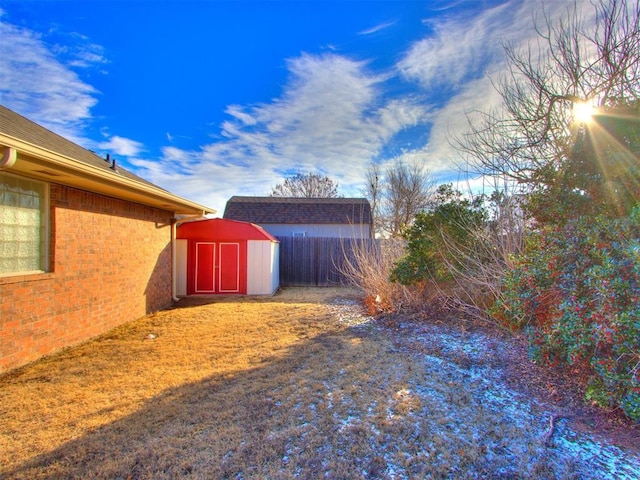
304 217
84 244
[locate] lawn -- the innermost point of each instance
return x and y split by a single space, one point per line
299 385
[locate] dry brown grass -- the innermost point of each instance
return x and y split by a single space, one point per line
118 380
249 388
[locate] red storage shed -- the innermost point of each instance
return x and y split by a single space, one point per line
220 256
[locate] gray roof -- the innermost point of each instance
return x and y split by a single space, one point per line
17 126
294 210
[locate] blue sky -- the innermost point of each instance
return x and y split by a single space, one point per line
210 99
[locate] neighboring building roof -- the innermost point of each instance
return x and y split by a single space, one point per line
45 155
294 210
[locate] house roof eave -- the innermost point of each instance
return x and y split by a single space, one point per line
42 164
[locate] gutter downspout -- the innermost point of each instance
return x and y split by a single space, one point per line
8 158
175 221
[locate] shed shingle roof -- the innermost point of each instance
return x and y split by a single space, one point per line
290 210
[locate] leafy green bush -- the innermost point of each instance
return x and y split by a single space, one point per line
436 234
576 293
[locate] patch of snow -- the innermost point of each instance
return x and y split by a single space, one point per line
349 312
608 460
488 391
460 400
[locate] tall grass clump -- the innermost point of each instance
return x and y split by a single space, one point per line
368 266
477 266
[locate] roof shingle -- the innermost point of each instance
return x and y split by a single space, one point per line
295 210
17 126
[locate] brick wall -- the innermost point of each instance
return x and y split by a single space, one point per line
110 263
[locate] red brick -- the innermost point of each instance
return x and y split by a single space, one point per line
111 264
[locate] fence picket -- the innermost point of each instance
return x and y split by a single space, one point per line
316 261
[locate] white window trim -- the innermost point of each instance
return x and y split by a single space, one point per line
46 214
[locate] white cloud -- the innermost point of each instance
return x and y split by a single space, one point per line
331 118
335 115
236 112
459 47
377 28
461 56
451 121
121 146
76 50
35 83
185 173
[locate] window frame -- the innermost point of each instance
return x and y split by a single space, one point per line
45 233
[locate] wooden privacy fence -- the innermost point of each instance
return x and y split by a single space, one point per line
318 261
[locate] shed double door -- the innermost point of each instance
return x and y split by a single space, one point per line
217 267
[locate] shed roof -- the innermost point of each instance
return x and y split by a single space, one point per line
47 156
295 210
224 230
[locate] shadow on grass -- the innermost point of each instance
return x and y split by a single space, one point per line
343 404
248 425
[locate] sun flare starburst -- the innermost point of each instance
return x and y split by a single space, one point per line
583 112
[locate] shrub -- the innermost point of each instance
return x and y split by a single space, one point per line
368 267
576 293
461 248
432 235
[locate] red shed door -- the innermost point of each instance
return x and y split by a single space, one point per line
216 268
229 268
205 267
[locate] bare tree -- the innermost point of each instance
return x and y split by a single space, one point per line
373 192
534 144
407 190
307 185
528 138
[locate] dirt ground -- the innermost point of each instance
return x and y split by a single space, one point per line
299 385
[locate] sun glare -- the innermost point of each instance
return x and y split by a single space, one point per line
582 112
